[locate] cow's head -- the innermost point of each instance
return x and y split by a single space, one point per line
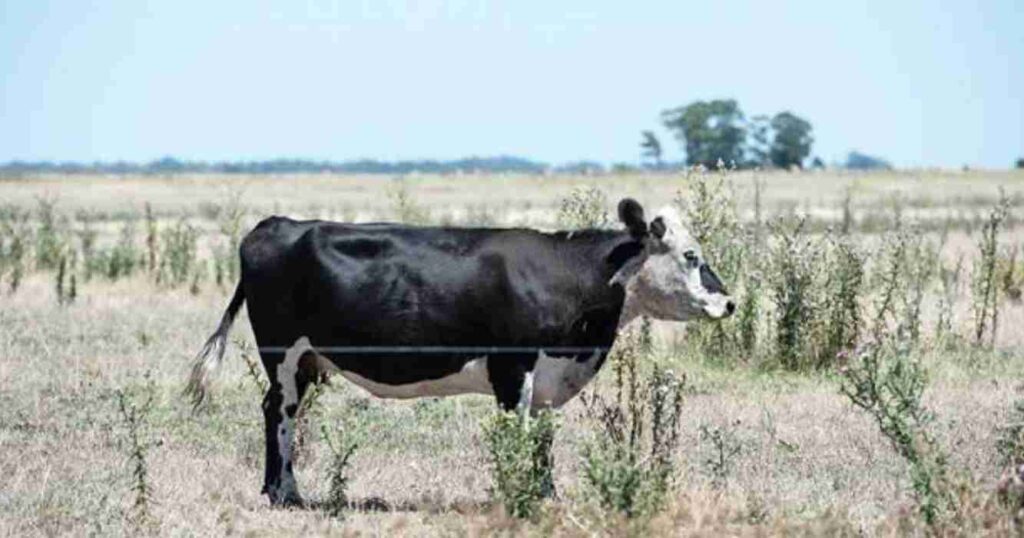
669 278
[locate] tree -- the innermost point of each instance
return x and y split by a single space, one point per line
709 131
860 161
650 148
1020 162
792 141
759 146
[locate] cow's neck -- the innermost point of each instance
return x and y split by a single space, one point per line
615 257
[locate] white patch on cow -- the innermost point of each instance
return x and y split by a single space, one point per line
526 394
557 379
287 490
471 379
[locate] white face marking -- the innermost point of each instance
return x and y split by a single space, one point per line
557 380
668 284
471 379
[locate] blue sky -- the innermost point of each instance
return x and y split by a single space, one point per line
920 83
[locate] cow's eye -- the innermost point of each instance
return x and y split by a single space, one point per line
691 257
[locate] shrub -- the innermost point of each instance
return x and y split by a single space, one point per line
758 224
843 286
252 365
984 288
342 447
151 239
886 281
309 406
584 208
846 224
749 312
51 234
198 275
922 259
709 210
725 446
178 255
794 261
628 465
229 222
887 382
122 259
1010 283
949 277
66 283
1010 443
14 234
481 215
404 206
710 213
904 268
134 408
87 246
521 463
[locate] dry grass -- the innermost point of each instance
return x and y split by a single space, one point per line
808 462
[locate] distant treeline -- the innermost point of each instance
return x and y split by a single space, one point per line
499 164
171 165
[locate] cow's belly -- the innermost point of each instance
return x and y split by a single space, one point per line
471 379
557 380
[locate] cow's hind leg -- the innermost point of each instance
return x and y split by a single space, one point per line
290 377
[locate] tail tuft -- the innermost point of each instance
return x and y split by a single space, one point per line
209 358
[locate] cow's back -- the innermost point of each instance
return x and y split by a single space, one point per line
377 284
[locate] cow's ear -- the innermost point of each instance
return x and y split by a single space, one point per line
658 227
632 215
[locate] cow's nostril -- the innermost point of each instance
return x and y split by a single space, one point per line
730 307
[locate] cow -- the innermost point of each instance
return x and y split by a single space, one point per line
407 312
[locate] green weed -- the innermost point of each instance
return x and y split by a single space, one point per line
584 208
341 446
521 461
984 285
629 463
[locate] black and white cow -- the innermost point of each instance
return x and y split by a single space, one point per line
406 311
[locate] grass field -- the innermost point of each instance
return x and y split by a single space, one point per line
805 461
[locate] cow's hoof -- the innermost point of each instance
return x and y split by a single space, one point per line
285 499
293 501
549 492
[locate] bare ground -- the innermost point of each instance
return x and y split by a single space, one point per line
808 462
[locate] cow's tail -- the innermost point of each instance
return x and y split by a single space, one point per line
208 359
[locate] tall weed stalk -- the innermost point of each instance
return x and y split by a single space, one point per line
134 408
984 285
794 260
521 460
885 379
341 447
629 463
178 254
51 241
15 233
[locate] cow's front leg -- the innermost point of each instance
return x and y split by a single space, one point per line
513 384
288 384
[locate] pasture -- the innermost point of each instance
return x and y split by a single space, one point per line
110 285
